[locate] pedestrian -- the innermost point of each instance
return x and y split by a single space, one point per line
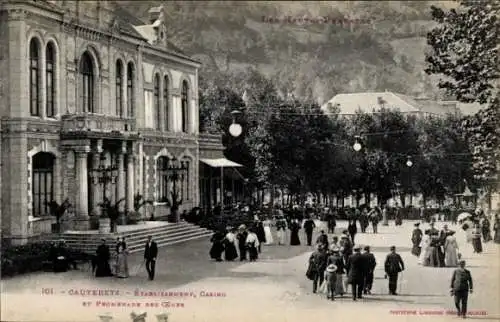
294 235
230 245
318 261
252 243
242 240
451 250
309 226
281 229
335 243
356 271
393 266
476 239
375 215
103 269
496 228
416 239
331 223
461 286
261 234
370 263
352 229
323 239
485 229
331 279
217 248
150 254
336 259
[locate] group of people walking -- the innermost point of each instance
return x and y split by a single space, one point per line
101 266
234 243
328 265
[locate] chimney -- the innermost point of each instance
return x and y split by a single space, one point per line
154 13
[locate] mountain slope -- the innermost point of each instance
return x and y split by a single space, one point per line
310 60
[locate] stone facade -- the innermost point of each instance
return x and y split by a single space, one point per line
86 85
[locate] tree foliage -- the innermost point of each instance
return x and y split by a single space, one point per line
464 48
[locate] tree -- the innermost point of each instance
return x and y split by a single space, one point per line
464 48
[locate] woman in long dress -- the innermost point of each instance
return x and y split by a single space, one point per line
281 230
337 260
425 255
476 239
230 245
267 232
103 269
496 228
122 262
294 236
217 246
451 251
252 245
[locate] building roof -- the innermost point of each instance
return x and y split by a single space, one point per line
469 108
368 102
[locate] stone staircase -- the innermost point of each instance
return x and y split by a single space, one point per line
135 236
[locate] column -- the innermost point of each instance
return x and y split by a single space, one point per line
96 191
121 183
130 180
161 108
82 198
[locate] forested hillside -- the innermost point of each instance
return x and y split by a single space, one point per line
310 60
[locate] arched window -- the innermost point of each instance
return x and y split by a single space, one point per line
34 78
162 178
86 84
43 182
184 106
156 103
119 90
165 102
50 61
130 90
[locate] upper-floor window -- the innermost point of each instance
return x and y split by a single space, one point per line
130 90
184 106
86 72
50 93
34 78
118 86
165 102
157 119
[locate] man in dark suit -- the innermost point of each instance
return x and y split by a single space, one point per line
371 263
322 239
393 266
356 271
309 226
318 260
150 254
461 285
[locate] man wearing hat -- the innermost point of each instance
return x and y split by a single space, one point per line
393 266
416 239
356 271
371 263
461 285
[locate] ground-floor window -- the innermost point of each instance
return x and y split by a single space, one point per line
162 179
42 183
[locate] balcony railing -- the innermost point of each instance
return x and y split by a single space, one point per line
96 123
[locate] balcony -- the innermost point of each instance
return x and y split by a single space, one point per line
96 125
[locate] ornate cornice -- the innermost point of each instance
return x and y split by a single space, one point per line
17 14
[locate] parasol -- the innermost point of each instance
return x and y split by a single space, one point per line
463 216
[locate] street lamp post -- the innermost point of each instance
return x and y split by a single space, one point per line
105 175
409 164
176 172
235 129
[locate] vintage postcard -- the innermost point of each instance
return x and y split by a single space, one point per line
199 161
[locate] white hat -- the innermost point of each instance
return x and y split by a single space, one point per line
331 268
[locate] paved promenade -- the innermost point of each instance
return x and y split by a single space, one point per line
272 289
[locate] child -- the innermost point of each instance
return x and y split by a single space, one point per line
331 278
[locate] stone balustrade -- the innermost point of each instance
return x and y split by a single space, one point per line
96 123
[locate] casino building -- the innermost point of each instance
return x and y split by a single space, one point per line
85 84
